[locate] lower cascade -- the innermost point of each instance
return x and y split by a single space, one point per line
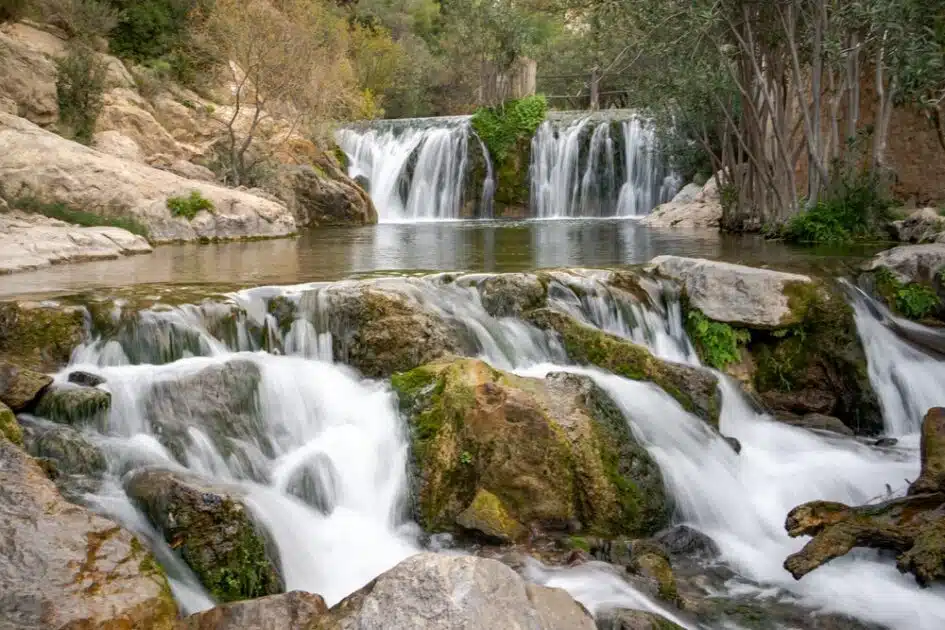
305 419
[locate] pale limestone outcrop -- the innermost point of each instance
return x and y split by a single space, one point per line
689 209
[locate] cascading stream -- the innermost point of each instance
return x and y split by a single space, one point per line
344 433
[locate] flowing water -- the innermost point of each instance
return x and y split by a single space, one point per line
316 416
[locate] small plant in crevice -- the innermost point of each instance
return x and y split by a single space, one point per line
718 343
466 458
188 207
913 300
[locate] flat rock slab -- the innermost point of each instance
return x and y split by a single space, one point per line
911 263
734 294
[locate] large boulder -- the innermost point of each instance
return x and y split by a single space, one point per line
692 207
76 405
912 263
28 78
626 619
127 113
511 294
39 336
212 530
41 164
735 294
297 609
20 387
922 226
62 566
70 459
695 389
433 592
317 199
499 455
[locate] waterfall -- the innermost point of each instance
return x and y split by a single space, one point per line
588 167
416 170
314 416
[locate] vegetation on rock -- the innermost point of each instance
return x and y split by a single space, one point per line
718 344
913 300
9 427
80 87
64 212
188 207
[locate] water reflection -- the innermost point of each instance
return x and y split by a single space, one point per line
333 253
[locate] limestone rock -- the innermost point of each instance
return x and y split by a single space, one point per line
61 566
86 379
114 142
817 421
76 405
511 294
9 427
52 168
39 336
688 193
626 619
499 453
735 294
74 463
20 387
692 207
297 609
130 115
191 171
28 78
651 561
683 540
316 199
932 446
695 389
432 592
922 226
211 529
912 263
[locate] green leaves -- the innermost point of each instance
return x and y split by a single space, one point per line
719 344
501 127
189 206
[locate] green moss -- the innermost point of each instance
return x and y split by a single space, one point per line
68 214
579 542
75 406
40 338
188 207
246 575
9 427
340 156
488 515
913 300
718 344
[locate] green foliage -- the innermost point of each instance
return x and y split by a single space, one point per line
149 29
500 128
12 10
466 458
78 217
80 84
912 300
718 343
857 210
189 206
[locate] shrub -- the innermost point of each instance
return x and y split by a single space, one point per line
189 206
149 29
82 19
12 10
80 85
500 128
912 300
65 213
717 342
856 209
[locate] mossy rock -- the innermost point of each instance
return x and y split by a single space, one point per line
650 560
76 406
212 530
487 515
9 427
626 619
38 336
549 454
20 387
695 389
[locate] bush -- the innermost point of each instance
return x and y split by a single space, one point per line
65 213
189 206
149 29
718 343
856 210
915 301
12 10
500 128
80 85
82 19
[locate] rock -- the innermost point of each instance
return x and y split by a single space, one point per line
61 566
316 199
912 263
650 560
30 242
735 294
51 168
433 591
912 526
115 143
502 454
86 379
689 193
127 113
380 331
192 171
297 609
9 427
75 464
211 529
39 336
682 540
221 400
734 443
817 421
922 226
932 447
886 442
28 78
19 388
693 215
316 483
511 294
625 619
76 405
695 389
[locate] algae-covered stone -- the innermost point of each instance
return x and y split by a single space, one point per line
547 454
9 427
61 566
626 619
20 387
487 515
212 530
297 609
72 461
40 336
511 294
695 389
649 559
76 406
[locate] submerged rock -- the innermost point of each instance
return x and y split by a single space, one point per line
912 526
76 406
504 454
61 566
695 389
74 463
433 591
683 540
625 619
316 483
212 530
19 388
816 421
297 609
86 379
